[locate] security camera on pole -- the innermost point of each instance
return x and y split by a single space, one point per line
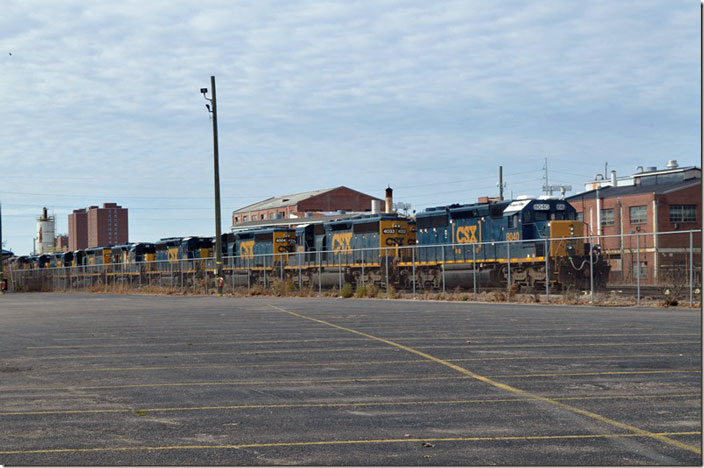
218 248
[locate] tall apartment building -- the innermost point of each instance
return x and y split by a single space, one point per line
78 230
95 227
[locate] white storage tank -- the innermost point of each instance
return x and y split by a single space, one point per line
46 231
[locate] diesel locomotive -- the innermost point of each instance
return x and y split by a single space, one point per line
525 243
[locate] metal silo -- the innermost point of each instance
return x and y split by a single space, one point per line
46 230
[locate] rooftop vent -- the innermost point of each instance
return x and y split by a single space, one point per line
672 164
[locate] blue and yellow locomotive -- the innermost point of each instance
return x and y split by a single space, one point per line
522 242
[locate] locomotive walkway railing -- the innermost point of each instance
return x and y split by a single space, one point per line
666 264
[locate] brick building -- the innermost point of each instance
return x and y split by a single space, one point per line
78 230
61 243
297 205
654 204
96 227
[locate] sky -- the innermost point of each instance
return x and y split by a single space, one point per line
100 102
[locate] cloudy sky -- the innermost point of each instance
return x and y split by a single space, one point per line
100 102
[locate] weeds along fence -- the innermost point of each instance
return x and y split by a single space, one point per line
665 265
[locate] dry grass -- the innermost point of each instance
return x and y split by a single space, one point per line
287 288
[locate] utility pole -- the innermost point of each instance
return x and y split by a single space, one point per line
1 256
545 177
216 171
501 183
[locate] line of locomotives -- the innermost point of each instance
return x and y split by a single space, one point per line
443 247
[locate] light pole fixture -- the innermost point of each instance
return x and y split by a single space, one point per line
213 109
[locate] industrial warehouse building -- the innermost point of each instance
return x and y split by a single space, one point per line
644 203
304 204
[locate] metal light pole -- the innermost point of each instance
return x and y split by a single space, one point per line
216 170
1 258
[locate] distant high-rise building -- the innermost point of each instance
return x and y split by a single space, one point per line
78 229
107 225
96 227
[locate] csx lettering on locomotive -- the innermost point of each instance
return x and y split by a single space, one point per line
466 234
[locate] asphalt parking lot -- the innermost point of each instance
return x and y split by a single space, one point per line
165 380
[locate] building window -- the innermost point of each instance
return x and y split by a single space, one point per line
607 217
638 214
580 216
237 219
244 218
643 270
683 213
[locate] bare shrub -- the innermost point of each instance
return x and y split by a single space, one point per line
346 291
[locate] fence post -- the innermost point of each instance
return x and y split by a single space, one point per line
508 258
591 271
386 260
443 269
300 266
691 269
474 270
362 267
248 274
638 268
320 274
339 269
547 272
413 262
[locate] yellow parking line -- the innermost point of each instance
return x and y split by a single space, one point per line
662 435
347 380
361 363
505 387
479 341
190 343
343 405
356 349
576 374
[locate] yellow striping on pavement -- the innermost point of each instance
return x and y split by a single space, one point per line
347 380
220 343
576 374
358 363
369 348
347 404
506 387
348 442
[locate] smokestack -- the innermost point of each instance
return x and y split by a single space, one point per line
44 213
389 200
613 178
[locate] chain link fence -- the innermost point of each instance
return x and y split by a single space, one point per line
635 265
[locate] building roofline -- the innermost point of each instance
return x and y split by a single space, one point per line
629 190
300 196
